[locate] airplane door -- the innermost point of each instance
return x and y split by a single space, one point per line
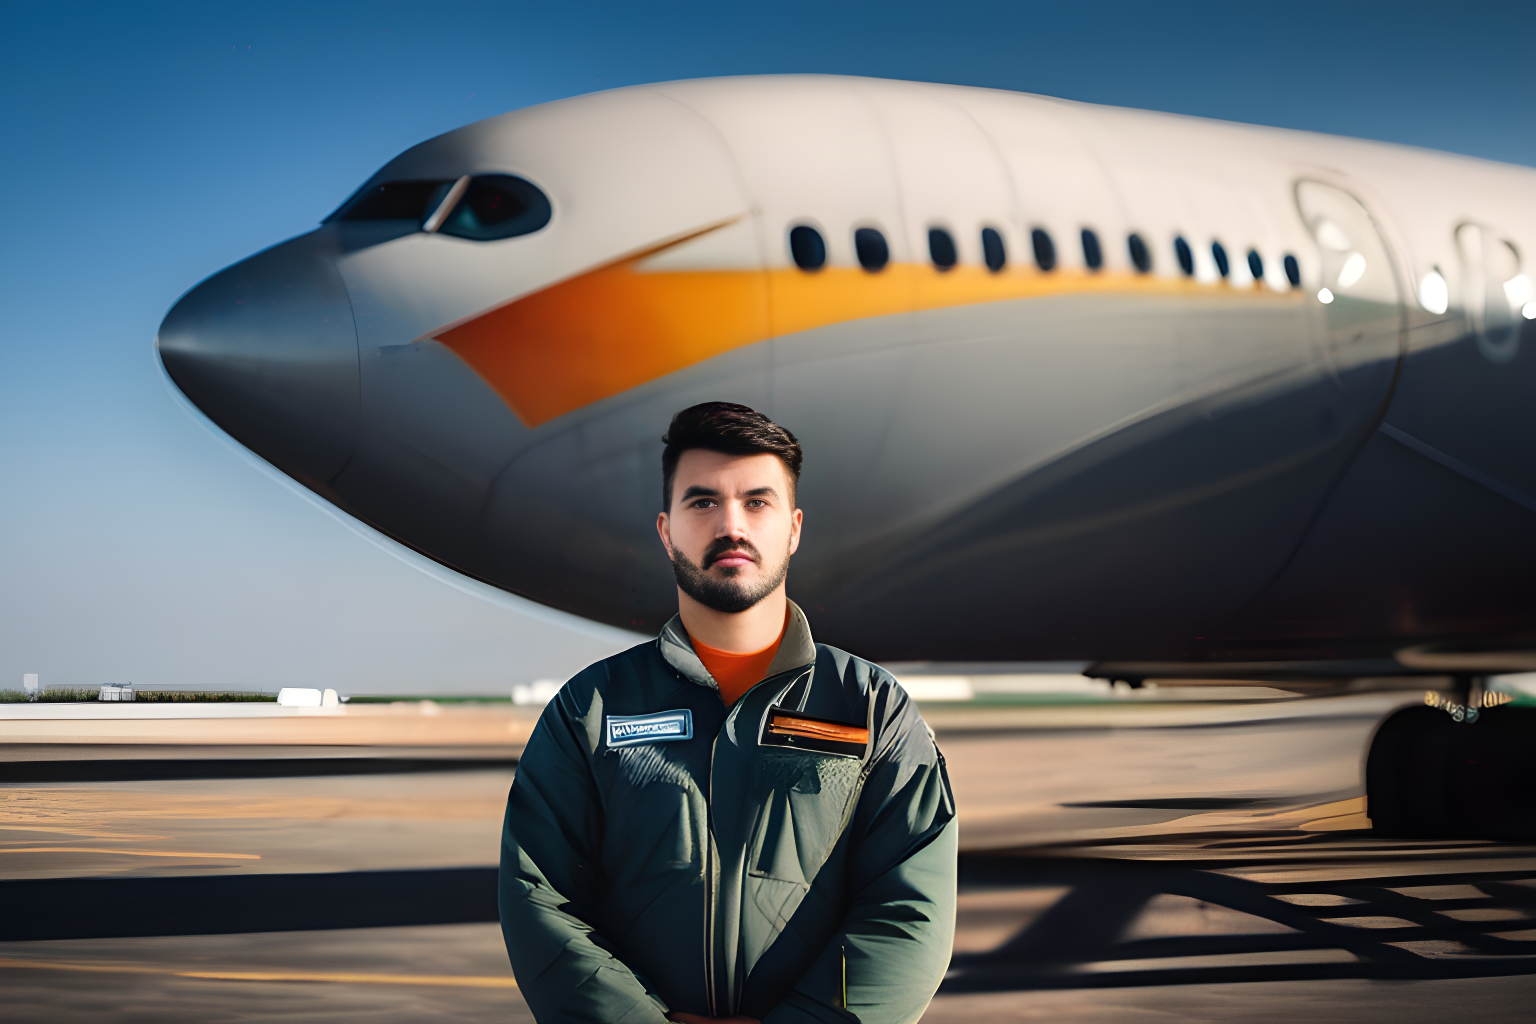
1493 291
1357 297
1358 288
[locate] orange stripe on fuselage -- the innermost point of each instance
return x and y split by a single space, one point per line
619 326
608 331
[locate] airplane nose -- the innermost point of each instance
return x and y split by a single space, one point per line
268 350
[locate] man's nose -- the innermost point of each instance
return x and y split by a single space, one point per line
733 523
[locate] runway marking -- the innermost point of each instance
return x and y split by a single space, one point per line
79 833
1342 816
335 977
131 853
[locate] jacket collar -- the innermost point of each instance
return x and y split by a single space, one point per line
796 650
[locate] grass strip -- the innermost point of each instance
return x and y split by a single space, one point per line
70 695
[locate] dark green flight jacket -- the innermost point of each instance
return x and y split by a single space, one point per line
664 854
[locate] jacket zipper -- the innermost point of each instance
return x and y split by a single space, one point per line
858 789
711 871
711 858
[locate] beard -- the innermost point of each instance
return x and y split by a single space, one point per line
723 591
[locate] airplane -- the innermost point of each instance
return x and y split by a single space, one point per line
1177 397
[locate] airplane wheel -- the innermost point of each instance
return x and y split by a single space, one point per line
1406 774
1492 775
1430 777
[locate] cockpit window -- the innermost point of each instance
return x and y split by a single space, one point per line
493 206
396 200
497 206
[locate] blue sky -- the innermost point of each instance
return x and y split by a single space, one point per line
147 146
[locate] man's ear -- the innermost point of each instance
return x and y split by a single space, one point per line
794 530
664 531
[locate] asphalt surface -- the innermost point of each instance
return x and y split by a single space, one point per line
1207 863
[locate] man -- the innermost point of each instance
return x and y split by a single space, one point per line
730 822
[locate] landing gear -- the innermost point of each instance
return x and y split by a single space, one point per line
1459 769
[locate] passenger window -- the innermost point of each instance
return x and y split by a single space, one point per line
872 251
1140 257
993 250
1186 258
497 206
806 247
395 200
1292 271
1045 249
1219 254
941 248
1093 256
1256 264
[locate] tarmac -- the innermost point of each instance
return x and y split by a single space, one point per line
1190 859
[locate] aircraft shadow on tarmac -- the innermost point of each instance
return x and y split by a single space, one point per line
99 908
1342 913
1286 907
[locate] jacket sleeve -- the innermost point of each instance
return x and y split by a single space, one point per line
551 880
895 942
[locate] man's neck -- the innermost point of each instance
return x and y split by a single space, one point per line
738 632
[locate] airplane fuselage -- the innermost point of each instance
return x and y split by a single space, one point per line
1073 382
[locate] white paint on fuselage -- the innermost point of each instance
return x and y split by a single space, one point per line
629 169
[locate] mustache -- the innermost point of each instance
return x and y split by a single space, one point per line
726 592
723 544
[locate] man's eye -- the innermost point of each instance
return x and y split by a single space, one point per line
704 503
757 503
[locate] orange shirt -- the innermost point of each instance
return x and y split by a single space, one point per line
735 674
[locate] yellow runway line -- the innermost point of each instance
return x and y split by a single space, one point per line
130 853
336 977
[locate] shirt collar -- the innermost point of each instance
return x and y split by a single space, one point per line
796 649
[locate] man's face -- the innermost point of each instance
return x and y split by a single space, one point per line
730 528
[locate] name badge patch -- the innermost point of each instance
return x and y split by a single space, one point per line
662 727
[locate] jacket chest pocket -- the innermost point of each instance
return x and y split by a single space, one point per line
807 800
651 802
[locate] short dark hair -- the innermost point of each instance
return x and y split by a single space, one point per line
729 429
